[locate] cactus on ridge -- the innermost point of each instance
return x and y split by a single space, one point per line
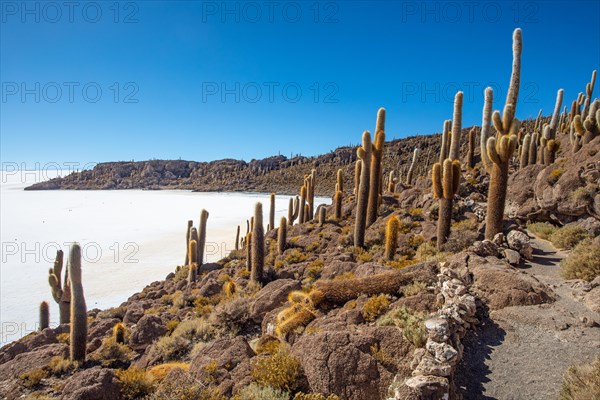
44 315
391 237
293 210
525 151
445 149
471 148
548 140
486 128
190 223
61 293
272 212
282 235
364 154
409 175
201 238
376 170
258 246
357 174
237 238
248 242
193 262
322 214
78 329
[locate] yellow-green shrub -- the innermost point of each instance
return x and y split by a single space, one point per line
135 383
375 306
583 262
279 371
568 236
411 322
543 230
582 382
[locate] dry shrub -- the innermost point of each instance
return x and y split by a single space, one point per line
583 262
158 372
411 322
582 382
543 230
568 236
135 383
375 306
279 371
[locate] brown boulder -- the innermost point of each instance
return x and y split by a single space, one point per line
92 384
148 329
31 360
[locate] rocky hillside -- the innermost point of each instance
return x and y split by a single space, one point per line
274 174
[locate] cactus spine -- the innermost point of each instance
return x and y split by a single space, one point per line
364 154
551 145
409 175
501 147
376 171
60 293
391 237
78 334
258 245
190 223
272 211
471 149
485 127
44 315
282 235
201 239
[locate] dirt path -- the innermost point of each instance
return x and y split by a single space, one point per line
523 352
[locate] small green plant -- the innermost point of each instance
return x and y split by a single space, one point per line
583 262
314 268
279 371
375 306
568 236
411 322
543 230
60 366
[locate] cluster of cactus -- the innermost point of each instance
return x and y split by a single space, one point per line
61 293
78 331
501 147
585 124
258 246
339 194
445 176
376 170
195 261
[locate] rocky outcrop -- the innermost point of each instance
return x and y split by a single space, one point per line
92 384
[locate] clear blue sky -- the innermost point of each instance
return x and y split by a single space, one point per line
162 68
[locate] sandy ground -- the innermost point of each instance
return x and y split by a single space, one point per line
523 352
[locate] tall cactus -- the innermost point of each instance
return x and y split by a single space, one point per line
500 148
551 145
282 235
533 149
322 214
44 315
486 131
202 238
409 175
293 210
302 216
391 237
471 148
376 170
589 89
272 211
61 293
340 180
190 223
525 151
445 150
248 242
258 245
456 127
392 182
364 154
237 238
337 200
193 261
78 333
357 174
